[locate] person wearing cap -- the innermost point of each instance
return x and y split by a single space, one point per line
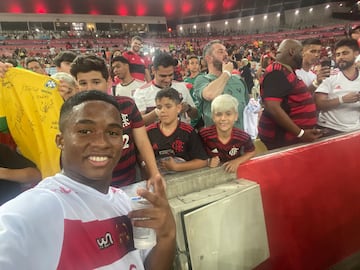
63 61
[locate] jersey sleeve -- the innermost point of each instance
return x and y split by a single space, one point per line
31 231
139 97
135 116
275 85
324 87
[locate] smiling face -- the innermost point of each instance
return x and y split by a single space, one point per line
225 120
163 76
91 143
136 45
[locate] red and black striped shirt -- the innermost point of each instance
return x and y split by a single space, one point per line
124 172
280 84
239 143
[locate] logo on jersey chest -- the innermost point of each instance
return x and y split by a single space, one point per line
233 151
105 241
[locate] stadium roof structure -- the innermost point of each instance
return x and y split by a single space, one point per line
176 11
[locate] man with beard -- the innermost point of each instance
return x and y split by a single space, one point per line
138 66
338 96
218 81
289 111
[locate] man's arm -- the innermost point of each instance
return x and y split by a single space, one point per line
161 257
24 175
216 87
323 102
142 143
171 165
232 165
283 120
149 117
321 75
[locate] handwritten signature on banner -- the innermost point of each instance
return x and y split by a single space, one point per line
31 105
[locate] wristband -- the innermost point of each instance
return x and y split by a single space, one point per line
227 72
301 133
341 101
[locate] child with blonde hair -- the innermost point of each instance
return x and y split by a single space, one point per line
224 143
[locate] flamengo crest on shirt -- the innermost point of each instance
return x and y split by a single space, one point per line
233 151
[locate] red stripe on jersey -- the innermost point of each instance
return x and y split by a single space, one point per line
89 245
186 127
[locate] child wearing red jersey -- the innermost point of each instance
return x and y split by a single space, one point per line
223 142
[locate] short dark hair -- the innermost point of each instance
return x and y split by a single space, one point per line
208 47
348 42
311 41
163 59
170 93
136 38
82 97
87 63
64 56
121 59
193 56
32 59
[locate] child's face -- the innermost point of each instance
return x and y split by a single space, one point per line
193 65
168 110
224 121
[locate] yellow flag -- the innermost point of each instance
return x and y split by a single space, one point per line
31 104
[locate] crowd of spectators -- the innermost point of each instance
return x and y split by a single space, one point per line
185 104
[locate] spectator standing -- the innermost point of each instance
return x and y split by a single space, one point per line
219 81
311 55
193 67
246 74
163 69
35 65
63 61
128 84
338 96
138 65
289 114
